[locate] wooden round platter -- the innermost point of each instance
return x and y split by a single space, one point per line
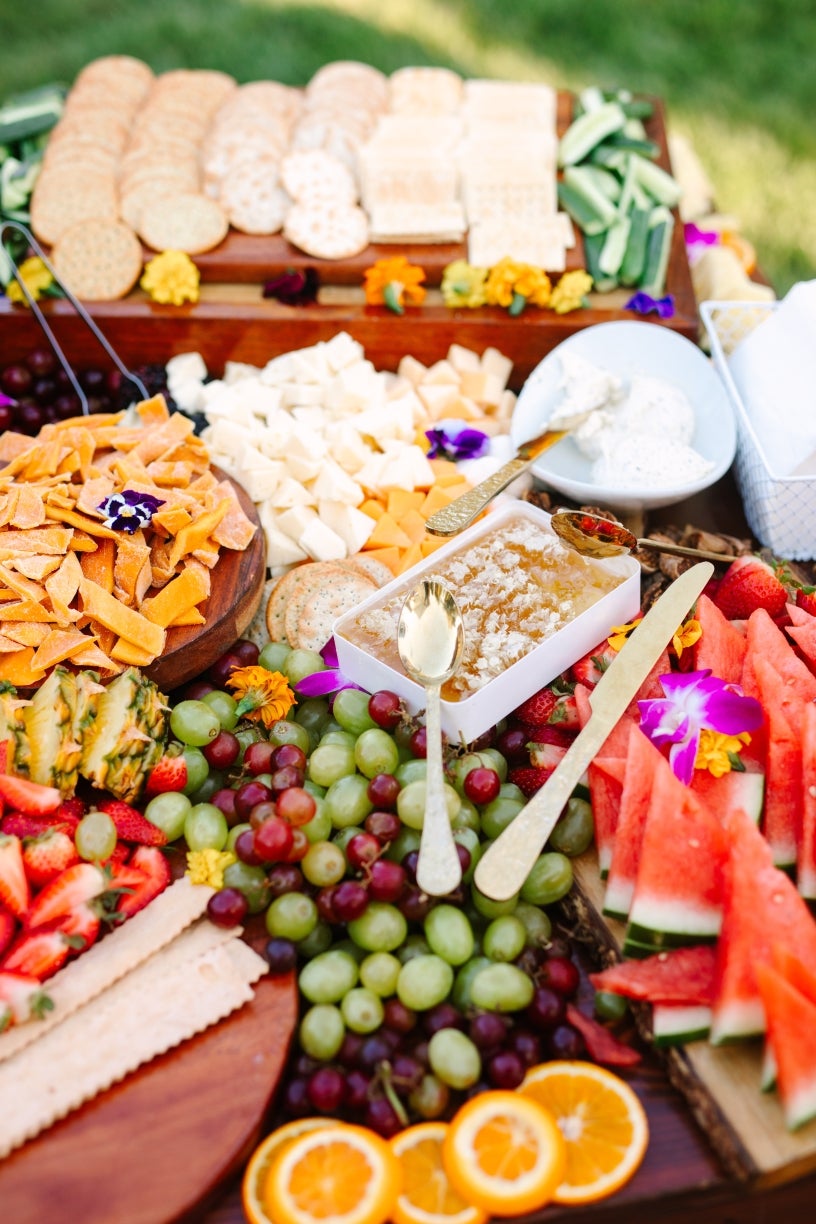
237 585
164 1140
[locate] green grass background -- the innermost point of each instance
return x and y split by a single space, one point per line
736 76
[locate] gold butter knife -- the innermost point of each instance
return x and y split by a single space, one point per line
507 862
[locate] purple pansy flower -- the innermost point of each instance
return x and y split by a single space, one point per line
327 682
456 444
695 701
129 510
644 303
697 240
294 287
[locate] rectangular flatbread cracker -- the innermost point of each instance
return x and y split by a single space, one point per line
168 998
122 950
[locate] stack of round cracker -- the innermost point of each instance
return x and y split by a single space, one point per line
304 604
242 151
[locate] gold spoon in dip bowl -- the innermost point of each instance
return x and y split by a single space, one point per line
430 640
594 536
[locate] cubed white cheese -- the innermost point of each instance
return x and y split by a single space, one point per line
352 525
277 371
347 445
322 543
309 365
295 520
281 549
342 351
235 371
259 399
296 393
462 358
332 483
292 493
186 393
312 417
441 372
411 369
187 365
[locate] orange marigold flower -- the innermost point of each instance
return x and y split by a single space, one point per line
513 285
394 283
263 696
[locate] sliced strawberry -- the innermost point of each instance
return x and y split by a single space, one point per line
536 710
546 756
8 928
589 669
27 796
80 926
32 826
550 734
131 825
21 998
47 855
73 887
152 866
528 778
4 755
168 774
749 583
39 953
71 809
14 889
565 713
806 599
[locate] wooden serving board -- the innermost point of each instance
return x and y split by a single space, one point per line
163 1141
237 583
720 1083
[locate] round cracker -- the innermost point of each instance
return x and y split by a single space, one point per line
252 198
276 605
64 197
188 222
373 568
313 174
327 231
312 575
326 605
99 261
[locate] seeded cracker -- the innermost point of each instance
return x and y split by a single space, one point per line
310 578
311 175
185 222
327 231
276 605
99 261
323 608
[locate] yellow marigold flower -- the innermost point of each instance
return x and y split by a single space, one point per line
619 633
463 284
208 866
716 750
263 696
686 635
37 279
513 285
171 278
570 291
394 283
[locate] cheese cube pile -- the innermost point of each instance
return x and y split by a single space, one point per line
318 432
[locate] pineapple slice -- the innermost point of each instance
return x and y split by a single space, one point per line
12 729
127 737
47 718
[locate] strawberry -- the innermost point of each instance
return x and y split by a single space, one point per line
168 774
71 810
528 778
8 928
536 710
33 826
80 926
146 862
589 669
806 599
14 890
546 756
131 825
750 583
565 712
38 953
47 855
549 735
74 886
21 998
29 797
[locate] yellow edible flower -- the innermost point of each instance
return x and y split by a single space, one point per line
394 283
513 285
463 284
619 633
171 278
263 696
208 866
715 751
570 291
686 635
37 279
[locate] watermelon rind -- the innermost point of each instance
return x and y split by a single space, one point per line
618 898
679 1023
661 923
736 1019
767 1073
751 792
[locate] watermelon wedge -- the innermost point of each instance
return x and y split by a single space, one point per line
802 632
804 980
791 1023
605 779
761 907
678 893
641 762
680 1023
781 822
766 640
743 789
722 646
806 861
680 975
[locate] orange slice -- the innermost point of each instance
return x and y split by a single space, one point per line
602 1121
333 1173
505 1153
427 1196
253 1186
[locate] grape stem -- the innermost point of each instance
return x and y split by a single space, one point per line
391 1094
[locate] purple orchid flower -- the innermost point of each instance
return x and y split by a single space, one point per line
695 701
460 444
7 401
294 287
129 510
327 682
644 303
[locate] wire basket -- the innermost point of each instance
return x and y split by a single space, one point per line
781 511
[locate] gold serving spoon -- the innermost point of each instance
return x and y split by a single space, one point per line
430 640
594 536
